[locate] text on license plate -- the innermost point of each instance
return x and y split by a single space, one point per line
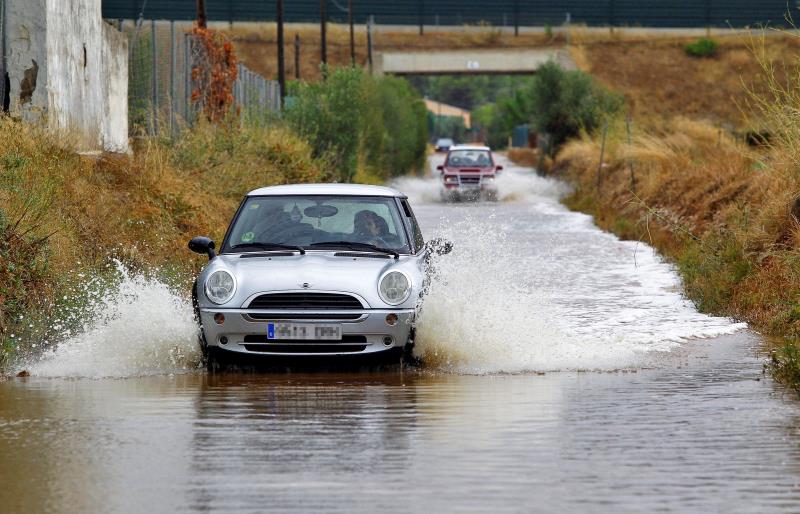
303 331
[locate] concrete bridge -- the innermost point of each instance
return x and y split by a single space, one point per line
454 62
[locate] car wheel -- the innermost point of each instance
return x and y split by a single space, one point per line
216 361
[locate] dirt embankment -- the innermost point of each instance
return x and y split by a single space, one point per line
660 80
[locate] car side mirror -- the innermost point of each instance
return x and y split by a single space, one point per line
440 246
498 168
204 245
440 168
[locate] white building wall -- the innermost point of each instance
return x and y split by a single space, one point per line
26 57
82 71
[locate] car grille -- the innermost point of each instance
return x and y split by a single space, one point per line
470 180
304 348
305 301
261 316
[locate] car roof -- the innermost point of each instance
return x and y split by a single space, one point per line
470 147
327 189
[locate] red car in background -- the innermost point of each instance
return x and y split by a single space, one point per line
469 173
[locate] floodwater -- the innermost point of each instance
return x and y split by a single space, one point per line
564 372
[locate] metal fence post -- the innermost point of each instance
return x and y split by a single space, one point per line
187 76
370 21
421 17
297 56
172 92
154 75
630 161
602 156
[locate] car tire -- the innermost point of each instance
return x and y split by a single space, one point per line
216 360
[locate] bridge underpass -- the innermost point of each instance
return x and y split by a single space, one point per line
512 61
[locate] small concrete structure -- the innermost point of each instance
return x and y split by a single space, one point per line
503 61
68 69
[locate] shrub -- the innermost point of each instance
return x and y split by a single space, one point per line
703 47
562 103
353 119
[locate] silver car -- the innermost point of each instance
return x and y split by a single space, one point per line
313 270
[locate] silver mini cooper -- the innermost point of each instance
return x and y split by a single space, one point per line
313 270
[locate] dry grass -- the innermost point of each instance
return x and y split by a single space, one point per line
524 156
660 80
721 210
141 209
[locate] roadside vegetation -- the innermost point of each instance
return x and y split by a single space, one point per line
724 207
64 217
368 129
70 222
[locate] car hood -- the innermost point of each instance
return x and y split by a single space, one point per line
312 272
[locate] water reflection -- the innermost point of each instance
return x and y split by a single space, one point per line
301 438
702 432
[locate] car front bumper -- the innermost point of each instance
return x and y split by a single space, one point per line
368 334
475 190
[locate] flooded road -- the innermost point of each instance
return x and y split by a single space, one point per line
564 372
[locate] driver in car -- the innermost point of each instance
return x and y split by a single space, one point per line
369 227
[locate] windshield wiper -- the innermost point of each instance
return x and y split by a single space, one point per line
269 246
357 246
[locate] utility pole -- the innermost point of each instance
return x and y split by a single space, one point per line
202 19
297 56
352 33
281 66
322 38
421 17
369 42
516 17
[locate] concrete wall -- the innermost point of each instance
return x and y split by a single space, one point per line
82 80
26 57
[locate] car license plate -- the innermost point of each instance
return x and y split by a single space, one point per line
304 331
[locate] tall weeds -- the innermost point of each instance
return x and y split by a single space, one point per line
63 215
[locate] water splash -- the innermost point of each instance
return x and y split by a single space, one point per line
484 314
138 326
531 286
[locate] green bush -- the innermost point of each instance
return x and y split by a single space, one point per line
702 48
354 119
556 101
562 103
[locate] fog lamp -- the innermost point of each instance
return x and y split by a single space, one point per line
219 318
391 319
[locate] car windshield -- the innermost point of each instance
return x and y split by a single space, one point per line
308 220
468 158
444 142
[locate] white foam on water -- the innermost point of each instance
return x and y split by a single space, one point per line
138 327
531 286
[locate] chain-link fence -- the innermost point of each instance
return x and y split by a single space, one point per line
160 84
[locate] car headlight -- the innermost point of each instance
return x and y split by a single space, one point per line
450 179
220 287
394 287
